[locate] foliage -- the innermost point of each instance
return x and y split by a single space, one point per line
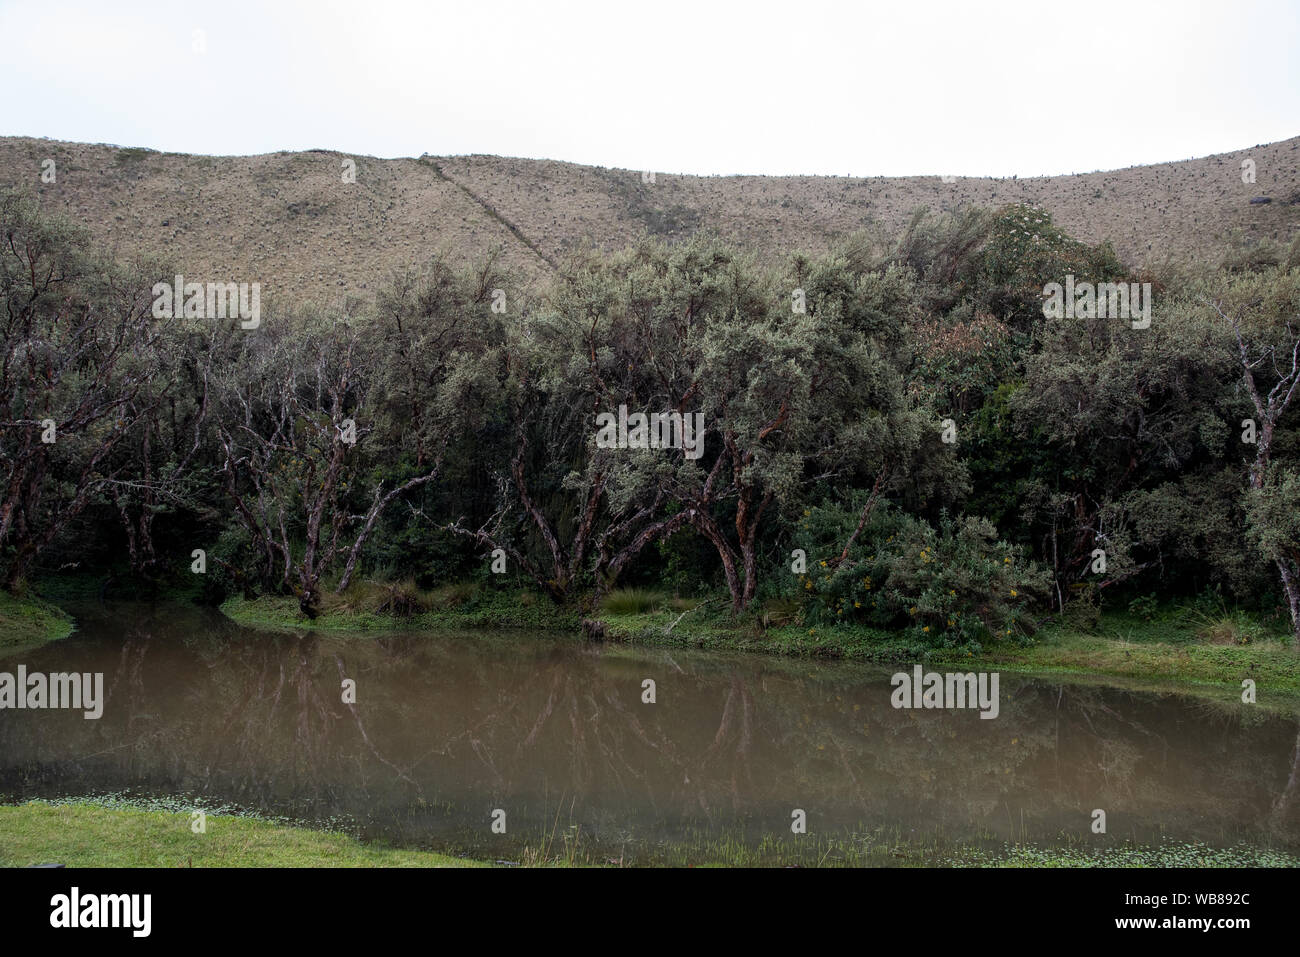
953 585
369 457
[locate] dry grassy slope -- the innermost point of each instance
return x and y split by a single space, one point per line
286 219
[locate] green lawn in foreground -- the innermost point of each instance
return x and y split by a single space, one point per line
84 835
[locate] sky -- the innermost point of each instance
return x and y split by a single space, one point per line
844 88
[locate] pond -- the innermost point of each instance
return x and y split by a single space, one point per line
552 737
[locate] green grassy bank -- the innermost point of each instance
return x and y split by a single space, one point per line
1179 647
30 621
90 835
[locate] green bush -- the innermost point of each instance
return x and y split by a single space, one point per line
952 585
1144 606
1024 251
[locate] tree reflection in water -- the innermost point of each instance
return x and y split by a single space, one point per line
444 729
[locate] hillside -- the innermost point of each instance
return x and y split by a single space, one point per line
288 221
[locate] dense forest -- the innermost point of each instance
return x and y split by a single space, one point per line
903 434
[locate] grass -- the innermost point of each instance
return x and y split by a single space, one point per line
1212 650
865 849
132 154
92 833
632 601
372 606
1180 646
30 621
84 834
555 205
1127 855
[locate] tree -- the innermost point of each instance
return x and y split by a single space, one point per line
1120 411
1263 312
570 513
83 370
789 399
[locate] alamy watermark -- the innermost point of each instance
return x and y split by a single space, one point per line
78 691
1103 300
659 430
219 300
129 911
923 689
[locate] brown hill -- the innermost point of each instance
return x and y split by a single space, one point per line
288 221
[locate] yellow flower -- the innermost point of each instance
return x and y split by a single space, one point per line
823 564
1013 593
857 604
926 628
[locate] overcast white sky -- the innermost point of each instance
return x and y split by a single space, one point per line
861 88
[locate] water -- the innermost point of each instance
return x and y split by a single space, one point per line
447 729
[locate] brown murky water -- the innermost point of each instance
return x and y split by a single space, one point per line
447 729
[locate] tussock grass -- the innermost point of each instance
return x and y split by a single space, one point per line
632 601
453 595
1229 627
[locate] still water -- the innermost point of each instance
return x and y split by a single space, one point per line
448 729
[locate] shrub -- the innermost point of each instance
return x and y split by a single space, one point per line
1144 606
952 585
